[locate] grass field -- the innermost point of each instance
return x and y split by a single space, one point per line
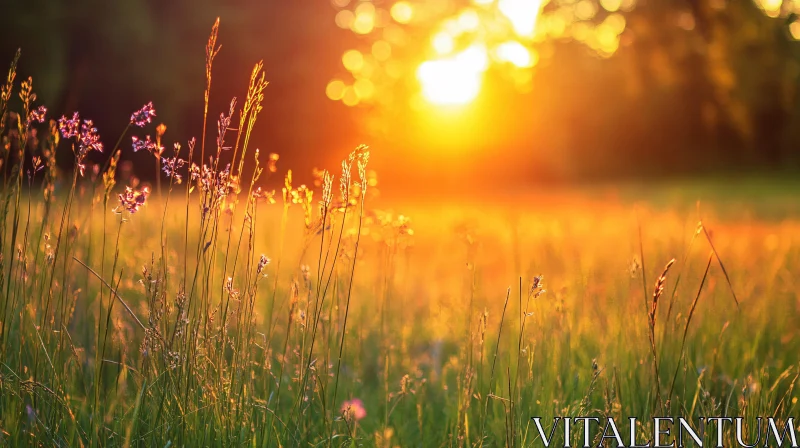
210 312
443 342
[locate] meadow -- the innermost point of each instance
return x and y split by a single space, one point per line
205 309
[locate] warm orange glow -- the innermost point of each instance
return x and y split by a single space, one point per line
455 80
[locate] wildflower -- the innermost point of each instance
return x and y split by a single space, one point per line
37 115
69 127
132 200
233 292
146 144
171 165
144 115
354 409
262 263
89 138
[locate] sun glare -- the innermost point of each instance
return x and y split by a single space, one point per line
458 46
515 53
455 80
522 14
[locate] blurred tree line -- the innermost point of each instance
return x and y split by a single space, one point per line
695 86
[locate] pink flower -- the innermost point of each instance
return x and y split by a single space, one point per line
354 409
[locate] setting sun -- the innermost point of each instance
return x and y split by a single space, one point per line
455 80
455 75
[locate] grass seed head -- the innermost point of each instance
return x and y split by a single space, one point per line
658 291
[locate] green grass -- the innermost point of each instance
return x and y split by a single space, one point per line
160 325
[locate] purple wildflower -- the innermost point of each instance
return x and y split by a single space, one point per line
37 115
89 138
69 127
171 166
144 115
146 144
132 200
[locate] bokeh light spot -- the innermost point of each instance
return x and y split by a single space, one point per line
771 7
364 21
335 89
344 19
364 88
616 22
794 30
585 10
402 12
611 5
350 97
353 60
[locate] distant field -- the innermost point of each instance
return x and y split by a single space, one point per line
438 335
